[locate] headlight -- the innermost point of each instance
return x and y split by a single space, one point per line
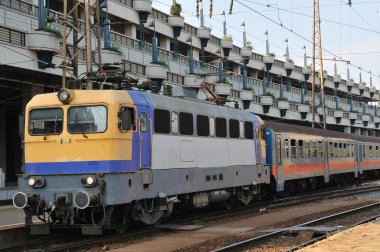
90 180
64 95
31 181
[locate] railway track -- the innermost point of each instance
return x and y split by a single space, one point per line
72 242
262 238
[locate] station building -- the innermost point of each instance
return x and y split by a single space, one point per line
348 104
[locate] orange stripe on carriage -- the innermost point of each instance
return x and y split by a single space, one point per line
334 165
371 163
303 168
274 170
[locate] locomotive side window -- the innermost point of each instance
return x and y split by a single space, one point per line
241 127
212 126
248 130
221 127
370 151
161 121
186 124
88 119
262 133
45 121
203 125
234 128
143 122
174 122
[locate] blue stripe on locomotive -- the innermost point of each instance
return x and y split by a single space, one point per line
140 99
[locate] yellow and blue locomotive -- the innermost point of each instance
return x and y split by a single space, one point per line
99 159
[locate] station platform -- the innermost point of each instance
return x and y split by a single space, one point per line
357 239
6 193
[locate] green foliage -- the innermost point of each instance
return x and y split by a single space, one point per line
55 32
271 54
162 63
290 60
267 93
248 89
249 46
282 98
116 49
227 37
176 9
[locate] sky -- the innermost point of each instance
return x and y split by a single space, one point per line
351 33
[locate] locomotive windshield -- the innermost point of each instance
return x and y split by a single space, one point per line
87 119
45 121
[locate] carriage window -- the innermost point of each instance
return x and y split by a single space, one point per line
320 149
203 125
186 124
248 130
161 121
286 148
89 119
174 122
370 151
331 149
314 149
300 148
307 149
234 128
143 122
293 148
45 121
212 126
221 127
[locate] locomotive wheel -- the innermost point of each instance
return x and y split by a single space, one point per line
123 218
228 204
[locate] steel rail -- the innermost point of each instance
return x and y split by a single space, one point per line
179 220
340 229
257 239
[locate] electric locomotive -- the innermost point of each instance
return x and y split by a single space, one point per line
100 159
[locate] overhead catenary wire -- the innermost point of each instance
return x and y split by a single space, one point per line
304 38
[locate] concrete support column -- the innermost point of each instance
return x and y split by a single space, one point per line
164 43
357 131
347 129
364 132
130 30
196 53
236 68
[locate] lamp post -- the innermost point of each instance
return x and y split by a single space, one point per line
154 42
191 62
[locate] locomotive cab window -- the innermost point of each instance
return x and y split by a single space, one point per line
45 121
87 119
127 119
248 130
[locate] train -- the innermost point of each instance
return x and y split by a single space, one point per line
100 160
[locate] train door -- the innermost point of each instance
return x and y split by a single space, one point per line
359 156
278 161
325 158
144 133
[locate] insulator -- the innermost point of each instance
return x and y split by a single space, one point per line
210 8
